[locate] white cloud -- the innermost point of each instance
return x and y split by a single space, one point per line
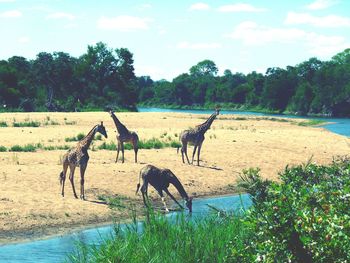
187 45
199 6
240 7
144 7
252 34
123 23
6 1
11 14
60 15
320 4
24 40
325 46
324 21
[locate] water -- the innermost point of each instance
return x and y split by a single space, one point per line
56 249
337 125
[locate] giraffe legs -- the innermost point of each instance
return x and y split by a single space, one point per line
63 178
118 149
71 179
82 174
184 151
135 146
163 200
144 188
194 152
172 197
122 146
199 152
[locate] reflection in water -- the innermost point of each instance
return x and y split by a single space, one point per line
56 249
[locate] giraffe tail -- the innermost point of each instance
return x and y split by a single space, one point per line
61 177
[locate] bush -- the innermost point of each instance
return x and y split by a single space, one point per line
3 149
3 124
26 148
304 218
26 124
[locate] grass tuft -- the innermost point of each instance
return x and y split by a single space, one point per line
3 149
26 124
3 124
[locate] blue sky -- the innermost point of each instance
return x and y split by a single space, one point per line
168 37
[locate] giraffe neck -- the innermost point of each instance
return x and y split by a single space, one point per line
206 125
174 181
120 126
86 141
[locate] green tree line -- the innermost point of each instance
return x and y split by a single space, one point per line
98 79
104 78
311 87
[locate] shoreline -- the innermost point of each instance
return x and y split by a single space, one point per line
239 109
52 232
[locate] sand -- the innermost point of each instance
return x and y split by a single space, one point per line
31 205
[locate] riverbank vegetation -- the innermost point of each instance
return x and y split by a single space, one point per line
302 218
104 78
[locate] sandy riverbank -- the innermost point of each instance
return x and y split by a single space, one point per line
30 200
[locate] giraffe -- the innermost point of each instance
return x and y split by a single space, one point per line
195 136
78 156
124 136
160 179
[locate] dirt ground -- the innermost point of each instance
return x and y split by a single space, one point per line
30 201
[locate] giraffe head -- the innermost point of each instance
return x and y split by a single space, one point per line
111 112
217 110
101 129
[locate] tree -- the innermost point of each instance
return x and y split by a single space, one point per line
205 67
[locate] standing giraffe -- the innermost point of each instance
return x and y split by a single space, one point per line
124 136
196 137
78 156
160 179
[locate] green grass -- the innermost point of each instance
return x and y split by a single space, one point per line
75 138
3 124
35 147
3 149
25 148
153 143
205 240
26 124
115 201
80 136
311 123
107 146
70 122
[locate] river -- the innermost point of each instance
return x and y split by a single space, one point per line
55 249
337 125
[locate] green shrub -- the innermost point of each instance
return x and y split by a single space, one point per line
304 218
80 136
26 124
107 146
26 148
3 124
3 149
